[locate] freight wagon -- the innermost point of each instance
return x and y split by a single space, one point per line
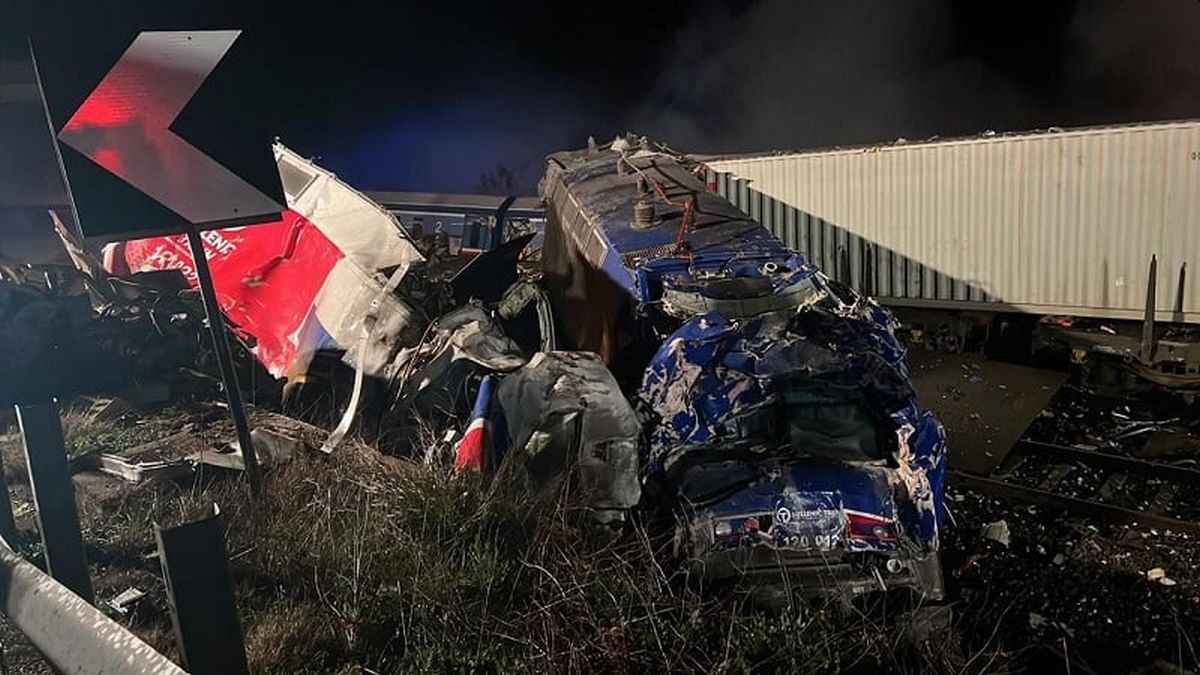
1062 223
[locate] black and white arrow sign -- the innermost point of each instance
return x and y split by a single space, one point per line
160 130
124 126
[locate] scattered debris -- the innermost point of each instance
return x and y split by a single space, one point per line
126 600
105 409
997 531
1037 620
132 472
765 404
60 343
1092 596
277 439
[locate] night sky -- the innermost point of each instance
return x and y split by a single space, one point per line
428 96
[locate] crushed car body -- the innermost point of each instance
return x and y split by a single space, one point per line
780 416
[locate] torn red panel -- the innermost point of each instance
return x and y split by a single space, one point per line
267 278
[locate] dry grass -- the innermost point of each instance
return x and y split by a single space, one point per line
359 561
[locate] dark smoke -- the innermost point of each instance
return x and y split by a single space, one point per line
429 96
796 74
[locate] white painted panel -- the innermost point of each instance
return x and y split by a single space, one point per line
1060 221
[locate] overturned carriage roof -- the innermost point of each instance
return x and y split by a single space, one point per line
591 195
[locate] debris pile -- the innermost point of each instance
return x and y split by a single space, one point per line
1159 424
78 330
1119 596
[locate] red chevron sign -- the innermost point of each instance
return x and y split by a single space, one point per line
124 126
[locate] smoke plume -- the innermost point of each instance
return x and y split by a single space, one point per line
786 74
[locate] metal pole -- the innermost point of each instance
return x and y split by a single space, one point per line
869 270
1179 290
8 524
216 326
54 496
62 168
1147 352
195 568
75 637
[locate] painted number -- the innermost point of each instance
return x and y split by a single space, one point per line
1196 155
819 541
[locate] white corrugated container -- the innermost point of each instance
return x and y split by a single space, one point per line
1055 222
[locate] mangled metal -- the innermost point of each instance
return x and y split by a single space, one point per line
378 254
566 416
369 235
308 282
456 344
774 408
482 444
778 404
68 332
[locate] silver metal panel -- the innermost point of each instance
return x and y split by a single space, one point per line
1051 222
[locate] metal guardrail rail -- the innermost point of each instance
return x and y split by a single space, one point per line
73 636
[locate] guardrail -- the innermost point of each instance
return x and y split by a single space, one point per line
72 635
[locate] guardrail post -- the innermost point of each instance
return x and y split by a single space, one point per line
8 524
54 496
200 594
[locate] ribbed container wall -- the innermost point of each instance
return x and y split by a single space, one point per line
1060 222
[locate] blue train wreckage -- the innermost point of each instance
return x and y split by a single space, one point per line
673 357
776 408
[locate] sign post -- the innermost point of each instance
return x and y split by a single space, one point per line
216 327
122 136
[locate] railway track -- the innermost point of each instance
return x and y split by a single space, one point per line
1115 488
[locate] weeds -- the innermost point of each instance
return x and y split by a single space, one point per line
361 561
